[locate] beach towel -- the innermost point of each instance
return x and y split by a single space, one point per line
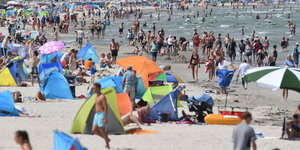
225 77
143 132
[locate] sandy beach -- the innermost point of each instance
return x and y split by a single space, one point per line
265 105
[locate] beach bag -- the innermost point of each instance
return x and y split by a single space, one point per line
17 97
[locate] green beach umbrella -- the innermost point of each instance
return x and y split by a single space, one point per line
44 13
275 77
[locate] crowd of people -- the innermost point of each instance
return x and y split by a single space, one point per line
206 49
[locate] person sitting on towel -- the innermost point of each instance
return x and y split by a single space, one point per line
131 118
144 112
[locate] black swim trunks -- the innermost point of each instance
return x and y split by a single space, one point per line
34 71
114 53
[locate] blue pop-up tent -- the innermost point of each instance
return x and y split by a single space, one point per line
113 81
7 106
56 86
63 141
168 104
88 52
141 89
45 69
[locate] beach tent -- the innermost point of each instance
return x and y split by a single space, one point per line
46 69
56 86
47 58
168 105
63 141
21 50
7 106
155 94
124 104
83 120
141 89
21 70
112 81
88 52
8 76
142 65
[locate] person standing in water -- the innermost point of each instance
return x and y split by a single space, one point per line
121 28
100 118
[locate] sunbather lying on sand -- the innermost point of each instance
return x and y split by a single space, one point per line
22 112
131 118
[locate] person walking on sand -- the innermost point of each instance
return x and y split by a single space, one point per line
100 118
194 63
80 37
114 48
21 137
243 135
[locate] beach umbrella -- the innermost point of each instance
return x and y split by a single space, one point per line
275 78
44 13
165 76
51 47
44 7
142 65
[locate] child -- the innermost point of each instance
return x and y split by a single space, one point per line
93 71
67 71
136 50
86 41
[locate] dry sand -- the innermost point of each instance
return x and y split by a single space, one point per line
266 106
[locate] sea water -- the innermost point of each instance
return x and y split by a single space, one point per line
220 22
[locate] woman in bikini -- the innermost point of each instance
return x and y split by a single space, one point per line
194 63
196 41
210 66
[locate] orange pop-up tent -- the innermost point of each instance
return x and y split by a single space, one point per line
124 104
142 65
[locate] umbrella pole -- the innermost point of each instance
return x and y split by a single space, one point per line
285 99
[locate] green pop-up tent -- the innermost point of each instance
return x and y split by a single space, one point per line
83 120
154 94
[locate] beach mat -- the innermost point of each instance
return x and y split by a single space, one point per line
143 132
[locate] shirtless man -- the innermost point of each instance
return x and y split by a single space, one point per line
55 34
159 41
141 36
4 47
35 61
103 62
114 48
100 118
121 27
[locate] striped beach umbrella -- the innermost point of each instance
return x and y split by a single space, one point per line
165 76
275 77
